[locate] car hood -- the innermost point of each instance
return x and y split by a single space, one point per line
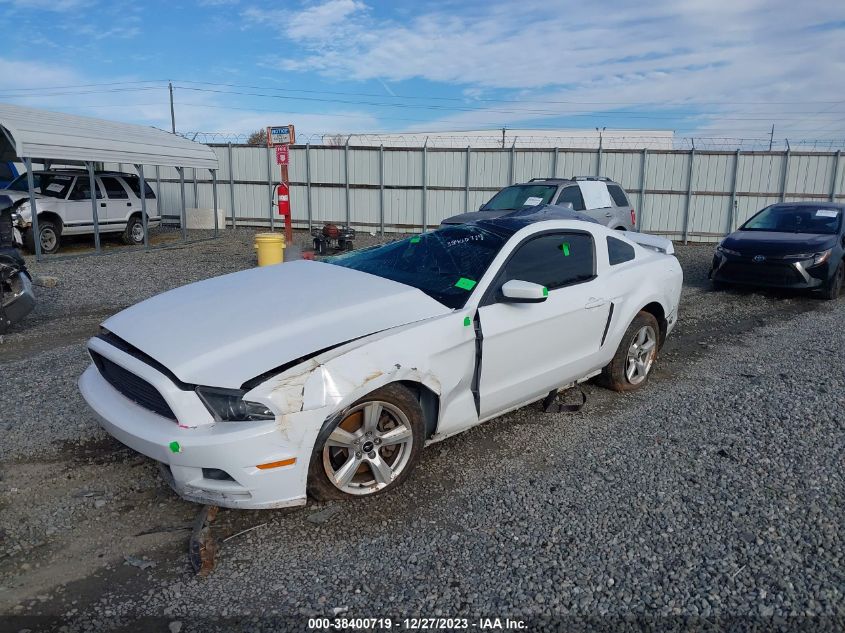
775 243
224 331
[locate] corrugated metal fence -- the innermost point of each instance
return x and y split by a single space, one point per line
694 195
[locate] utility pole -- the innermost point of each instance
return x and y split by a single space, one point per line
172 112
771 137
503 138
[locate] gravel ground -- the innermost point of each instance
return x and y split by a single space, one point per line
713 498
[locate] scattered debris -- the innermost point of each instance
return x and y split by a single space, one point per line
99 503
203 547
338 610
88 493
45 281
254 527
175 626
164 528
554 401
324 515
138 562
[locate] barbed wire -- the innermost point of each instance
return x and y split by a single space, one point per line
608 142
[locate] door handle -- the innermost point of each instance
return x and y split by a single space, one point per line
608 215
102 204
594 302
128 204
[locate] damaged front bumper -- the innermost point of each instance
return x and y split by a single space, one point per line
248 465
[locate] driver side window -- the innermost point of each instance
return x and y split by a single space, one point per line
552 260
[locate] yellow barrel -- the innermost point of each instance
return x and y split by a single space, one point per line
270 247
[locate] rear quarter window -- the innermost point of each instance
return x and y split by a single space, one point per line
619 252
135 185
619 197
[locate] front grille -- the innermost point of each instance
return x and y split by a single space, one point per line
747 272
133 387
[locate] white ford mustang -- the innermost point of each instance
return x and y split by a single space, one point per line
254 389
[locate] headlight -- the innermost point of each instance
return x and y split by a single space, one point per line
727 251
818 258
228 405
821 258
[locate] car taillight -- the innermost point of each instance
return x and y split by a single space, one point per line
633 217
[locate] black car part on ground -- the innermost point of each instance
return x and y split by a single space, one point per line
16 297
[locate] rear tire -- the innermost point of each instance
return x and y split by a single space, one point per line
630 367
371 449
133 235
833 288
50 237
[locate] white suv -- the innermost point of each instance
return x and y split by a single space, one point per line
63 198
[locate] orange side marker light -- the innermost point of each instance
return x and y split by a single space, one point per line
285 462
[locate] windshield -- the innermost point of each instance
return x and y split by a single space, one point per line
520 196
796 219
445 264
52 185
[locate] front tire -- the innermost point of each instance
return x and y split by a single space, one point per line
371 448
834 287
635 355
49 236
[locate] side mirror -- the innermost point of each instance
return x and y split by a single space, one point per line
516 291
480 207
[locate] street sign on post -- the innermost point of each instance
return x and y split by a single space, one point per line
280 135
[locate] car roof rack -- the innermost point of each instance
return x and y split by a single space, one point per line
549 178
597 178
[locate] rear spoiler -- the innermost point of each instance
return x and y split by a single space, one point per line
653 242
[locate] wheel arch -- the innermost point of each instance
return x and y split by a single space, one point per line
658 312
429 402
53 217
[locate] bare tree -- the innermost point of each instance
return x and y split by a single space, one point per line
259 137
334 139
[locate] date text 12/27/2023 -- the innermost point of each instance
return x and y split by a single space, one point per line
415 624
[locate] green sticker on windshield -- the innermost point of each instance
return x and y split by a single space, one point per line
465 284
416 239
565 248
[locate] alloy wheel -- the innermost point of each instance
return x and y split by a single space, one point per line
369 448
641 355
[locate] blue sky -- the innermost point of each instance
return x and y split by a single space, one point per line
699 67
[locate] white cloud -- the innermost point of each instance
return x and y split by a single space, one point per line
149 104
710 53
47 5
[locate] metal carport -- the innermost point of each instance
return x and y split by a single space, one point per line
32 134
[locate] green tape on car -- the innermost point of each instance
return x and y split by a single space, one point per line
465 284
545 291
565 248
175 447
467 321
414 240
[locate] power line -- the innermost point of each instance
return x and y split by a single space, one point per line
689 104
